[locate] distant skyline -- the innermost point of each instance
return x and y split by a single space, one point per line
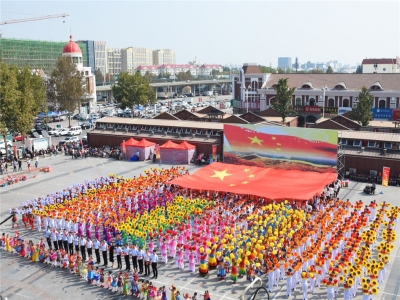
223 32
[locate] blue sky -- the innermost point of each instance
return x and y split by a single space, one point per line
221 32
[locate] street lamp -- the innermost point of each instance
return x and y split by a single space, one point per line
324 88
247 96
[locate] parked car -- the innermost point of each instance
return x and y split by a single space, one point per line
17 137
69 139
86 125
9 143
54 131
63 131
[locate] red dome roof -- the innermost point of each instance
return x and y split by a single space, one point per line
71 47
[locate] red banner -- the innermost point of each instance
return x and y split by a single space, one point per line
157 150
214 152
15 151
312 109
123 148
385 176
396 114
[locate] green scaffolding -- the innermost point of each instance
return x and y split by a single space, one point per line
34 54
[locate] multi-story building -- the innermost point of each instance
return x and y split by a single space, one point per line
284 62
100 56
133 57
164 56
207 69
90 54
113 66
381 65
340 93
72 49
40 55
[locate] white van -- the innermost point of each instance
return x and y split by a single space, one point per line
95 116
75 130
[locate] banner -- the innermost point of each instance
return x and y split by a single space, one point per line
214 152
157 150
382 113
385 176
15 151
123 148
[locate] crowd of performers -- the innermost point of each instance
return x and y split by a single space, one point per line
337 244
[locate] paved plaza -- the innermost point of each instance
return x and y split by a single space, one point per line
22 279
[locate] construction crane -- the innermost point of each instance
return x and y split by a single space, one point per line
34 19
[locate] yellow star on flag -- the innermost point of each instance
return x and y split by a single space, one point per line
245 182
251 176
255 140
221 174
279 149
232 184
274 138
278 144
247 170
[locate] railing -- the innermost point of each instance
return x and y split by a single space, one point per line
250 286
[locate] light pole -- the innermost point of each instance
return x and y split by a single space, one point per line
247 96
325 88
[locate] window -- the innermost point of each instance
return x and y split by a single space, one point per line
346 103
178 130
306 86
382 103
151 128
127 127
298 101
331 102
160 129
343 142
312 101
134 127
375 65
143 128
371 144
208 132
357 143
199 131
349 142
169 129
188 131
387 145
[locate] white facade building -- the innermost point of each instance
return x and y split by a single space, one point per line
113 62
381 65
100 58
73 50
206 69
164 56
133 57
171 69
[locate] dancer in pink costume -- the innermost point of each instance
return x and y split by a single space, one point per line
179 260
172 247
164 254
192 264
151 245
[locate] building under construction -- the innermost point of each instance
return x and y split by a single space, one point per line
34 54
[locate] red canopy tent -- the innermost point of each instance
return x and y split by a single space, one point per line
168 152
146 149
263 182
184 153
129 147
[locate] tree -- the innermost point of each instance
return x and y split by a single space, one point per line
22 97
284 96
226 69
133 89
32 100
184 76
359 69
280 71
265 69
8 93
316 71
362 111
66 88
149 76
99 76
329 70
163 75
